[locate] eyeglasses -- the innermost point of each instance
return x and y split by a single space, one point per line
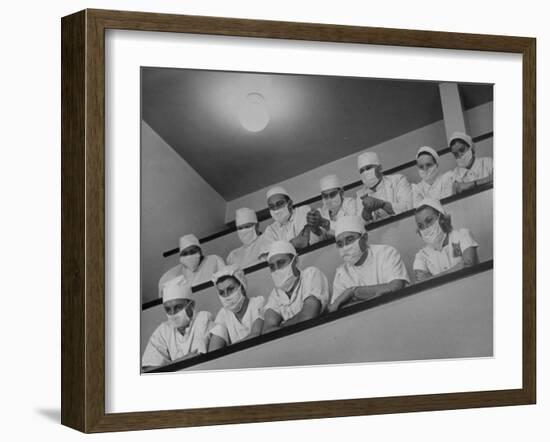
330 195
278 204
461 151
347 240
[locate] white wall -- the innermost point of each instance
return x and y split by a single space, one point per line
170 186
30 185
392 153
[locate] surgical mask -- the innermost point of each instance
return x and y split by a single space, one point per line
284 278
433 235
247 235
464 160
369 177
234 301
352 252
429 174
280 215
191 262
333 204
180 319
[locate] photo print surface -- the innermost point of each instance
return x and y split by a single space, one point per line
300 220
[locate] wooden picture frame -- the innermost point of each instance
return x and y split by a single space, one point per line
83 220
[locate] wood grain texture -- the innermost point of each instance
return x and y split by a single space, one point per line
83 220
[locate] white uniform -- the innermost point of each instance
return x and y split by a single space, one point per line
312 283
289 230
392 188
481 168
209 265
428 259
348 208
232 330
245 256
383 265
442 187
167 344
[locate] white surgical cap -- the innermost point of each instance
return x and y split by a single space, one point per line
428 150
177 288
349 223
277 190
245 215
367 158
329 182
187 241
433 203
461 136
280 247
230 270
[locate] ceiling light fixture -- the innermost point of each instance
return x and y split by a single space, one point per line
253 113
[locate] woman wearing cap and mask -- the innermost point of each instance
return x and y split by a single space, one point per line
298 295
471 170
381 195
446 249
241 317
249 235
369 270
194 266
184 334
432 184
335 206
289 222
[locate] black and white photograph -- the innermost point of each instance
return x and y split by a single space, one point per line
300 220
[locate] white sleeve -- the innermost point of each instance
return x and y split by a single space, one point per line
394 267
420 262
219 263
316 284
466 240
156 352
272 304
403 196
338 285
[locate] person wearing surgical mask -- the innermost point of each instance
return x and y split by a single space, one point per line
447 249
241 316
369 270
471 171
194 266
381 195
184 334
289 222
335 205
253 242
432 183
298 295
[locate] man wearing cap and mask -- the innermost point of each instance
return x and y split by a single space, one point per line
433 184
289 222
470 171
298 295
335 205
369 270
249 234
184 334
194 266
241 316
381 195
446 249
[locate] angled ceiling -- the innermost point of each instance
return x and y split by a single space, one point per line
313 120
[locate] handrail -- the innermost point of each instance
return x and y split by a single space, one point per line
321 244
263 214
325 318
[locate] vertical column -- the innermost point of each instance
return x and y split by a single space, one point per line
453 115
